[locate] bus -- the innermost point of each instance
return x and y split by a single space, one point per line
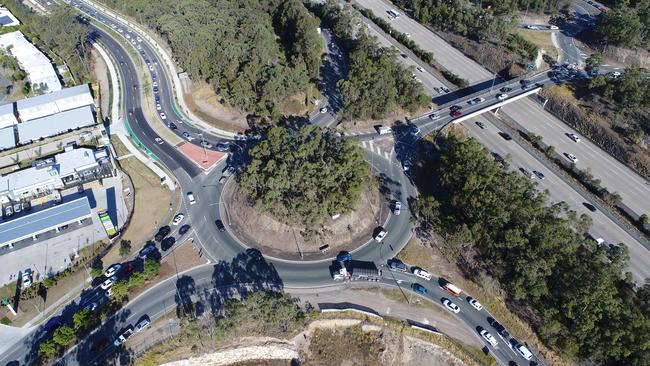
449 287
392 13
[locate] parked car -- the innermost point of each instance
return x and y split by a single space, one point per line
112 270
190 197
397 208
148 249
397 265
419 288
27 278
162 233
381 234
143 323
178 219
422 273
184 229
108 283
489 338
220 225
450 306
167 243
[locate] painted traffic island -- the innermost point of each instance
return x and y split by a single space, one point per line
276 238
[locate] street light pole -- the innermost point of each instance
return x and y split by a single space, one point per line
205 153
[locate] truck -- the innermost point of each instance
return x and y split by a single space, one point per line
355 270
124 336
108 224
449 287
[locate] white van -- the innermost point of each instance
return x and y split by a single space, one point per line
382 130
524 352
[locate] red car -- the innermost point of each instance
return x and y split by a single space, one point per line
456 114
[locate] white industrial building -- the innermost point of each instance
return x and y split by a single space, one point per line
7 115
7 19
55 124
38 67
53 103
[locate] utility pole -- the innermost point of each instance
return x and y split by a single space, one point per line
205 153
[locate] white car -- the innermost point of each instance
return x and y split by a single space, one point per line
158 107
397 208
475 304
150 67
108 283
178 219
615 74
420 69
422 274
381 235
112 270
190 198
159 141
451 306
163 115
27 278
553 27
489 338
574 137
323 110
141 325
502 96
572 158
524 352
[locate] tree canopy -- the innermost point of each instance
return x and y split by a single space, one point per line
583 304
626 24
255 53
306 175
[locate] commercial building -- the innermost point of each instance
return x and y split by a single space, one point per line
39 222
53 103
7 115
55 124
38 67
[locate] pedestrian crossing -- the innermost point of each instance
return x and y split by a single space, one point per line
370 145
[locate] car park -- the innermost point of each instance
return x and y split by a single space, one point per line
397 265
450 306
159 141
489 338
419 288
422 273
190 197
108 283
178 219
220 226
475 304
148 249
112 270
397 208
480 124
381 234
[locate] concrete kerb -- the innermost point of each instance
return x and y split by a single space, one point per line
186 114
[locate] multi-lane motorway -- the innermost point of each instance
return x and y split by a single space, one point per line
233 265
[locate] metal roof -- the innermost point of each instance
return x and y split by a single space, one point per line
53 97
41 221
7 138
37 66
55 124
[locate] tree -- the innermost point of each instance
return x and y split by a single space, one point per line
82 320
305 176
594 61
136 279
151 268
620 26
64 336
125 247
96 268
120 290
644 220
47 349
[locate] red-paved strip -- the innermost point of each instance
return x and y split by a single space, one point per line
204 158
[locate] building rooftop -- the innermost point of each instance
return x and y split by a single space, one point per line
37 66
7 19
7 138
79 93
55 124
75 160
26 179
7 115
41 221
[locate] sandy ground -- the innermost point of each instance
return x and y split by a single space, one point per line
280 240
101 72
204 103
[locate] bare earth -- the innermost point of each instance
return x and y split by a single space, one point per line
204 103
277 239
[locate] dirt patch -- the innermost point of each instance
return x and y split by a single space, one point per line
206 104
101 71
540 39
284 240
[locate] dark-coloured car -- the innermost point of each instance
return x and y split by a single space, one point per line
454 108
456 114
344 257
162 233
505 89
148 249
480 124
505 136
397 265
589 206
419 288
184 229
220 225
172 125
223 146
167 243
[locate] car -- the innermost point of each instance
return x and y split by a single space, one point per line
206 144
420 69
475 304
220 225
502 96
505 136
187 136
112 270
422 273
553 27
527 173
415 130
533 27
397 265
150 67
403 55
167 243
178 219
505 89
108 283
185 228
455 107
525 86
589 206
91 306
27 278
480 124
615 74
450 306
406 165
323 110
381 234
223 146
475 101
148 249
155 84
163 115
456 114
538 174
489 338
143 323
126 334
574 137
419 288
501 330
158 107
162 233
571 157
190 197
397 208
344 257
172 126
433 116
524 352
159 141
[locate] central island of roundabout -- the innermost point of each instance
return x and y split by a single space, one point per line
306 195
